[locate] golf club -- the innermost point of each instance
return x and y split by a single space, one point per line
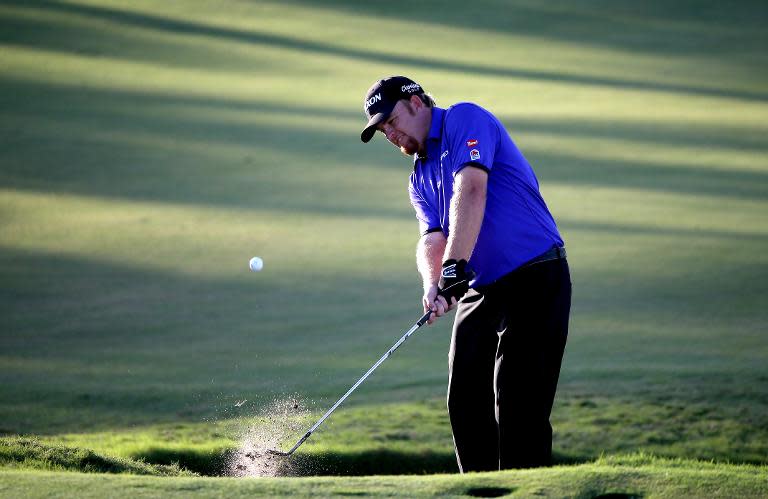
413 329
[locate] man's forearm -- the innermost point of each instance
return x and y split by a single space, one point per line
429 257
466 212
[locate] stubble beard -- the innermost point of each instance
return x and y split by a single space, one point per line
410 147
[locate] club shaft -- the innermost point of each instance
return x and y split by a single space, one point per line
384 357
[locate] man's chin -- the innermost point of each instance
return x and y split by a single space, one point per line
410 148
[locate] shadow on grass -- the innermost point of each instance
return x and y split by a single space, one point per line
653 26
617 495
208 463
365 463
488 491
24 29
62 148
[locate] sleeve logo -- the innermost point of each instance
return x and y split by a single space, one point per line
474 154
472 142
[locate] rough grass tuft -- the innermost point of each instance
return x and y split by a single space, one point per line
30 453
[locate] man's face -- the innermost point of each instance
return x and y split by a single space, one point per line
407 126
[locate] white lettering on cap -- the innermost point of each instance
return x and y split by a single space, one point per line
410 88
373 100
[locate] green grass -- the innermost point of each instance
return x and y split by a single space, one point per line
630 476
27 453
414 437
149 149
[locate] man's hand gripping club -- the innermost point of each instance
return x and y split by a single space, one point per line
453 285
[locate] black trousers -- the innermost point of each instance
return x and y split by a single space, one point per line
504 363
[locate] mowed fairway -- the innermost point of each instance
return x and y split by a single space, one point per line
149 149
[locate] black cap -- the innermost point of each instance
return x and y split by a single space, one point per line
381 99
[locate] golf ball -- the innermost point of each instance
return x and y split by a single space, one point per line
256 264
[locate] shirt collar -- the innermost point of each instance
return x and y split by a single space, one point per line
435 130
436 127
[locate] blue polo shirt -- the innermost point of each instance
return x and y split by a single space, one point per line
517 225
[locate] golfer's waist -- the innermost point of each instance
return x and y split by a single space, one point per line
554 253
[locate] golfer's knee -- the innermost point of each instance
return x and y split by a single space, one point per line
467 399
456 400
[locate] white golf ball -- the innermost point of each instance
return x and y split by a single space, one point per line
256 264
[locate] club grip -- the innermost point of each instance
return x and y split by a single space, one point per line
424 318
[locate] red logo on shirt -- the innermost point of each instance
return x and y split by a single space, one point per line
471 143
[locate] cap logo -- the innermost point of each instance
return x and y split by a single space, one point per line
373 100
472 142
410 88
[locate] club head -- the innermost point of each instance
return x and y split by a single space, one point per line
276 452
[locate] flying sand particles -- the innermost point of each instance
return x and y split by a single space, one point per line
278 422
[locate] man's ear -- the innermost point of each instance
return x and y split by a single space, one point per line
416 102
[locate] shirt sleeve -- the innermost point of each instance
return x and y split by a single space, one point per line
425 214
472 137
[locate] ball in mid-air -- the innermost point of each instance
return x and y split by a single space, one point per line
256 264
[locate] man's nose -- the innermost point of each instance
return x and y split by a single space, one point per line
389 131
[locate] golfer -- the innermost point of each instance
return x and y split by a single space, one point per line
490 248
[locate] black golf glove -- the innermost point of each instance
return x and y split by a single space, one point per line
454 279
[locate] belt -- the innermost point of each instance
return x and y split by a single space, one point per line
554 253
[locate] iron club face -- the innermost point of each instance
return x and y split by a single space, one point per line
413 329
276 452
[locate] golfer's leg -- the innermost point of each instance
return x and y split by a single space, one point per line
470 386
528 363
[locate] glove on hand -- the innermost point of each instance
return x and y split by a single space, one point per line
454 279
